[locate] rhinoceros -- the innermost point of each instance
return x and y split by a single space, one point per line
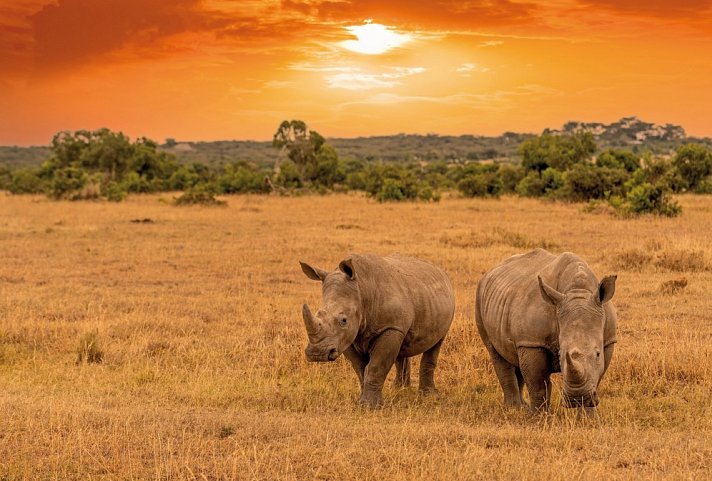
540 313
378 311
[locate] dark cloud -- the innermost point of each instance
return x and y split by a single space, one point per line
78 31
653 8
442 13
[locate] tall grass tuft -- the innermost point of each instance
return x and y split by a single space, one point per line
89 350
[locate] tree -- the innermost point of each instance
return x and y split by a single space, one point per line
694 163
300 144
556 151
618 159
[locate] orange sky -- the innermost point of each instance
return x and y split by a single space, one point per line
228 69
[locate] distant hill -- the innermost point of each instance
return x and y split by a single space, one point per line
629 132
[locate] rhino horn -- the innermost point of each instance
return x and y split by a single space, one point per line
309 322
573 369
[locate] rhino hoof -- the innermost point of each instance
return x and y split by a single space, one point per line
371 402
427 390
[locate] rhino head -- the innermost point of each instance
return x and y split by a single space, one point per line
335 325
581 319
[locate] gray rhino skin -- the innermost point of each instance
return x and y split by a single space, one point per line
538 314
378 311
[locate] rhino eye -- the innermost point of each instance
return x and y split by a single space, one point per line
342 320
598 354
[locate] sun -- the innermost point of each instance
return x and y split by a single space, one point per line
374 39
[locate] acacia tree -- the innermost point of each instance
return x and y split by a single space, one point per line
306 149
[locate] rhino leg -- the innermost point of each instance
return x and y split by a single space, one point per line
402 372
520 385
509 379
384 351
427 368
358 362
534 363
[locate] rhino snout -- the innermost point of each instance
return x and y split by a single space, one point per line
320 354
586 400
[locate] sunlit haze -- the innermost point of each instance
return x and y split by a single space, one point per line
220 69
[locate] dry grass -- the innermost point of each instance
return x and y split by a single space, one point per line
203 374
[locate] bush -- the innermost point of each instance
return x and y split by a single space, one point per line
536 184
510 175
486 184
66 182
199 195
585 182
651 199
556 151
618 159
694 163
239 179
288 176
391 190
27 181
113 192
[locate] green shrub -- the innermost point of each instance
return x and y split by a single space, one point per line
536 184
199 195
66 182
694 163
556 151
510 175
242 179
26 181
704 186
618 159
651 199
486 184
584 182
391 190
289 176
113 192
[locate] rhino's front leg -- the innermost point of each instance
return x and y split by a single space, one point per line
534 364
384 351
358 362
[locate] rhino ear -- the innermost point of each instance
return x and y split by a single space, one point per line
313 273
606 289
347 267
550 295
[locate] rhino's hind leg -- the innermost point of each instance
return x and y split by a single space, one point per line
509 378
402 378
427 368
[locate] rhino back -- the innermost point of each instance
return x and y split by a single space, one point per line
406 294
511 309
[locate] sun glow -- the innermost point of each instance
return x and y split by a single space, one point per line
374 39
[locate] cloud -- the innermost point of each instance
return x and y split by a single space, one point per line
495 99
467 69
278 84
654 8
76 31
367 81
427 13
491 43
310 67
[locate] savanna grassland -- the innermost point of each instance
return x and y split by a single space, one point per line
196 316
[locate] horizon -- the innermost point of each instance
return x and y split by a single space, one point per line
211 70
436 134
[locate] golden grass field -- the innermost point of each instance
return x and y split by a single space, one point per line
198 318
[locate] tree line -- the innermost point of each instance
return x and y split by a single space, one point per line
105 164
